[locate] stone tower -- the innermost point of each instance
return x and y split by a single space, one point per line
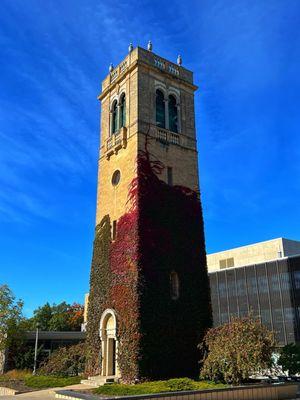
149 295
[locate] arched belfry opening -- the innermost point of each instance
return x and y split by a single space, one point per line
108 336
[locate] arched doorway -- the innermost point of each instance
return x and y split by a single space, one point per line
108 336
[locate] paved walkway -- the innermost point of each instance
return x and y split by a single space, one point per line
47 394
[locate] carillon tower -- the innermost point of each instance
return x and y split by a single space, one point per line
149 295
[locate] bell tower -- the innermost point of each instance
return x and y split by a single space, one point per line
149 291
145 96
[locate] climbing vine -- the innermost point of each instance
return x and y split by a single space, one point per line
162 233
100 281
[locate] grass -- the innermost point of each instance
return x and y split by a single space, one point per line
171 385
25 378
15 375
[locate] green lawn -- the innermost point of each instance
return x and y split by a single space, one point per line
24 381
44 382
171 385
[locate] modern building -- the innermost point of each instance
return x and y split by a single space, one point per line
52 340
145 305
263 278
48 341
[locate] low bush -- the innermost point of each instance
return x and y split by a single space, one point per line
44 382
65 361
171 385
234 351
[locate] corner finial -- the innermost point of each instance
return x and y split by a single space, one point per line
179 60
130 48
149 47
111 67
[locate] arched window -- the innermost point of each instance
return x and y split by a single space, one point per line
174 285
173 117
114 123
122 110
160 109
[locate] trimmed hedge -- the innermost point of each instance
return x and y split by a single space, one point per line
171 385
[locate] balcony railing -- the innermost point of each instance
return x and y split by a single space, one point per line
167 137
116 142
118 71
166 66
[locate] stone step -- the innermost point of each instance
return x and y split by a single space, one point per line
88 382
98 380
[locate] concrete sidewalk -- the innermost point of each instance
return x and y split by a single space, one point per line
46 394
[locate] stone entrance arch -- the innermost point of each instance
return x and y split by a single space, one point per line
109 344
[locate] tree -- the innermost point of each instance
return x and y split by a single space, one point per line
10 316
58 317
289 358
237 350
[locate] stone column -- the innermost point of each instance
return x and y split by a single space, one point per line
178 118
166 113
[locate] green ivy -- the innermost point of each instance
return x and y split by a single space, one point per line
100 280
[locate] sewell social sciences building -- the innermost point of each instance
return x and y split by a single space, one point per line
262 278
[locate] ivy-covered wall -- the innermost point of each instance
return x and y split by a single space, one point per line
163 232
172 239
100 282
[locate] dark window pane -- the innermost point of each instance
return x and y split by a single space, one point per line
173 114
123 111
160 109
114 125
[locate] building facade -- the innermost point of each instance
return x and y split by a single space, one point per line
149 293
269 288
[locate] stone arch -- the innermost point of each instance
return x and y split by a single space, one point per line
109 344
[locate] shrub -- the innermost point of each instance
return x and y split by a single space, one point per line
65 361
289 358
236 350
22 357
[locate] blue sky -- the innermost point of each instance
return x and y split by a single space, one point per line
53 55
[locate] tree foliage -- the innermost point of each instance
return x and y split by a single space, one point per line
57 317
237 350
10 316
289 358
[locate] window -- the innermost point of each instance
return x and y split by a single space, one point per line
116 178
170 176
174 285
160 109
226 263
122 110
114 124
114 230
173 123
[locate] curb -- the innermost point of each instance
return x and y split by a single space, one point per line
71 395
